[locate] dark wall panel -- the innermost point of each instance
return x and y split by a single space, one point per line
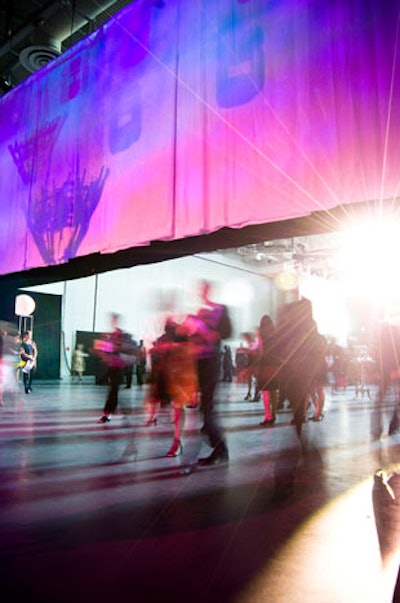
94 366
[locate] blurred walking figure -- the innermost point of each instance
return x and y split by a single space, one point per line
388 361
79 362
130 367
10 344
252 345
207 329
227 364
116 351
173 379
363 361
241 363
303 349
29 354
338 368
268 366
158 394
141 360
320 375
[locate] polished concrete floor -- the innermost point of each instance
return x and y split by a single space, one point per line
97 513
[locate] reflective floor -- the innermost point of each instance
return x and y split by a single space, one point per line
95 512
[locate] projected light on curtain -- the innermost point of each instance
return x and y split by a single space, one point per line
178 118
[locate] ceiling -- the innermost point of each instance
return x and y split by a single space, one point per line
34 32
313 254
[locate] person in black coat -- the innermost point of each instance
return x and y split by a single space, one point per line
268 366
207 329
117 349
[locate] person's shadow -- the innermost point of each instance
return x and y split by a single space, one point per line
297 464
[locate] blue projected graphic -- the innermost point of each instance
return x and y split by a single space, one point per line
179 118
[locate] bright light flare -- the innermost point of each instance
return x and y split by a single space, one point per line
369 260
329 306
340 544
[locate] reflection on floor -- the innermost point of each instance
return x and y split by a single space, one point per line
85 518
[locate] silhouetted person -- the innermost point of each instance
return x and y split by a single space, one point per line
388 361
130 367
158 394
115 351
227 364
301 351
208 328
141 360
268 366
251 368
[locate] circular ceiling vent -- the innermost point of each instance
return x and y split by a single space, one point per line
36 57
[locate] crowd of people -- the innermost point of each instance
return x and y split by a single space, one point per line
289 361
286 361
283 361
185 367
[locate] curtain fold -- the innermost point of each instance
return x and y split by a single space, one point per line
178 118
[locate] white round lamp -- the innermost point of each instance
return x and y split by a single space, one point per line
24 305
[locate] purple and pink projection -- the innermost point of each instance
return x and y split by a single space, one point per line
178 118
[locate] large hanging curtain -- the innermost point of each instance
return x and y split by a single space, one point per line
177 118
